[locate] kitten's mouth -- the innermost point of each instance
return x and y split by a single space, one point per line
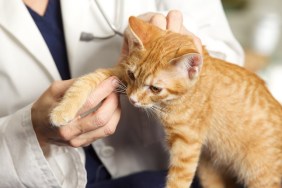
138 104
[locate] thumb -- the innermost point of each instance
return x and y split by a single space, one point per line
60 87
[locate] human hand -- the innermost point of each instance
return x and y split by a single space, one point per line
173 21
81 131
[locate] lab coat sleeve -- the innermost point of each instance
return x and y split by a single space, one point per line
23 163
207 20
21 158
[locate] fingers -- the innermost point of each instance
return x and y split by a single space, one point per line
198 44
101 117
174 21
87 138
105 118
104 89
196 40
175 24
147 16
99 124
101 132
159 20
58 88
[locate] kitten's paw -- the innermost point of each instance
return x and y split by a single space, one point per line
62 115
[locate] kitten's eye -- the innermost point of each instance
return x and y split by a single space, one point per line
131 75
155 89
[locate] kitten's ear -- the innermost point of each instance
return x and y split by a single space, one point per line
139 33
189 64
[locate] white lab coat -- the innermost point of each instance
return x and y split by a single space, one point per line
27 69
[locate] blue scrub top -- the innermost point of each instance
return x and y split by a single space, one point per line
51 27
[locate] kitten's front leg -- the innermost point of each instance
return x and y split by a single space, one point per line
212 176
184 157
76 96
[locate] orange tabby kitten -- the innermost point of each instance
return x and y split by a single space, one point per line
219 118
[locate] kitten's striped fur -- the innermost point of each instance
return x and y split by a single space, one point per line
219 118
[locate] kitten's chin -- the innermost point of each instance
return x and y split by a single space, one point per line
144 106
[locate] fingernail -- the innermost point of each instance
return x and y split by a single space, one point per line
115 82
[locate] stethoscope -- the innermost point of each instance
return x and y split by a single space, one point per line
84 36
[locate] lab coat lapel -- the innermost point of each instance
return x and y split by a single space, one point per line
21 26
73 13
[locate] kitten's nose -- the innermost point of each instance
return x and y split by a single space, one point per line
132 100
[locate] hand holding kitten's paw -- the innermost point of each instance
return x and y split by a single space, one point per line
63 114
76 132
41 108
80 98
69 106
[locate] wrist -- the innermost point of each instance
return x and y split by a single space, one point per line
35 124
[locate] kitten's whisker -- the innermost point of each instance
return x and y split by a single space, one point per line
147 112
154 110
122 92
152 113
121 87
119 90
158 109
121 83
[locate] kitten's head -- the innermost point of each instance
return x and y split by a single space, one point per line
161 66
